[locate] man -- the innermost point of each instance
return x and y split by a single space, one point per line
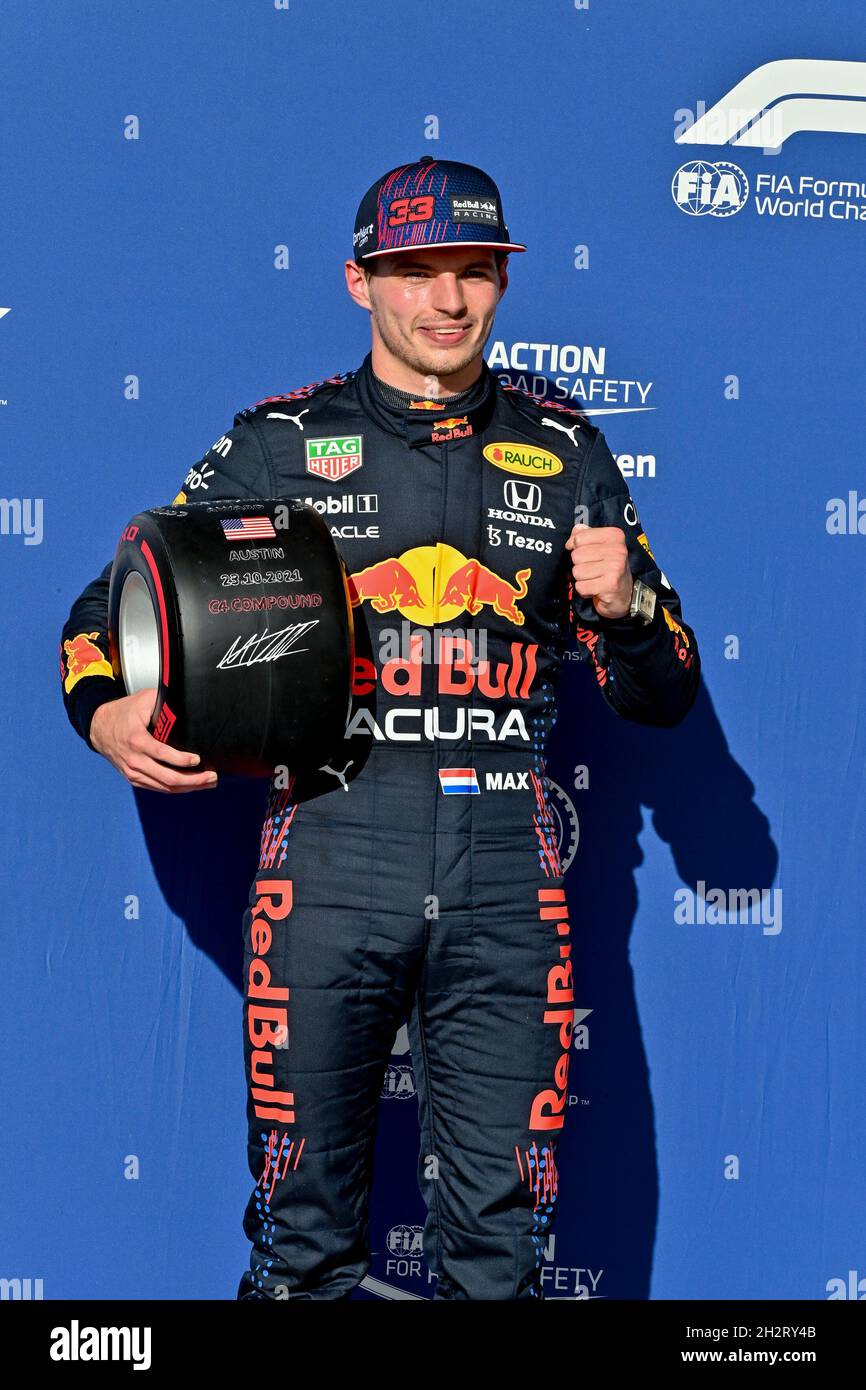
419 876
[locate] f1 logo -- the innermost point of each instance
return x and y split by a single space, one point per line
522 496
404 210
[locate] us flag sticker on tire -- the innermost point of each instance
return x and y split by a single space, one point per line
334 458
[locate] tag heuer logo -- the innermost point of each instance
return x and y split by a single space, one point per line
334 458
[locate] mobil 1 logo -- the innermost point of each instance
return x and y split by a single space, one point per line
360 505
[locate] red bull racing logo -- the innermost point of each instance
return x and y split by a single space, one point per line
451 427
83 658
433 584
548 1107
455 427
459 670
267 1011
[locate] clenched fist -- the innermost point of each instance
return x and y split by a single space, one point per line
600 570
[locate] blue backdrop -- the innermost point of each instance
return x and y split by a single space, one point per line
155 159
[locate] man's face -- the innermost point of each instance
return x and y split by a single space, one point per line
434 308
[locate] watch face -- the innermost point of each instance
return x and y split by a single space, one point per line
643 601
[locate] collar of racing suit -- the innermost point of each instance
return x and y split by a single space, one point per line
420 425
407 400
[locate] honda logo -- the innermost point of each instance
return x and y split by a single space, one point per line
522 496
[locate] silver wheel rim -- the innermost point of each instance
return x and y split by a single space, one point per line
138 636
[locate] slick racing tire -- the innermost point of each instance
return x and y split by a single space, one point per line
239 614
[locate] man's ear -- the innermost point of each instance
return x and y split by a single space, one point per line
503 277
356 284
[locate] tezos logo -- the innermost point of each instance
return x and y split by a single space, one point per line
701 188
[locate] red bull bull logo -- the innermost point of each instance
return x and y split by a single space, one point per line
435 584
386 586
84 658
474 585
455 427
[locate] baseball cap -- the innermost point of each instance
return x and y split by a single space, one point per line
433 202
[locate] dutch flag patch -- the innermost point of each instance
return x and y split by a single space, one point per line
459 781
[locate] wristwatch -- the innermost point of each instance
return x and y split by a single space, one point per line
643 602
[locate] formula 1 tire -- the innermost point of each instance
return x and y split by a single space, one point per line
239 614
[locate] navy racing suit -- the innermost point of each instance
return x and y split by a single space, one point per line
416 876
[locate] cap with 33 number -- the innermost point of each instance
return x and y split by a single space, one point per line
433 202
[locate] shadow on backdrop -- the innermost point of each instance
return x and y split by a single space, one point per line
701 804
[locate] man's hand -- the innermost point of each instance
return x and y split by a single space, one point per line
599 567
118 730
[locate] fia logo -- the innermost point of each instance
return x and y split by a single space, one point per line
702 189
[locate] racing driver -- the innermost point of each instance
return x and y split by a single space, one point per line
416 876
